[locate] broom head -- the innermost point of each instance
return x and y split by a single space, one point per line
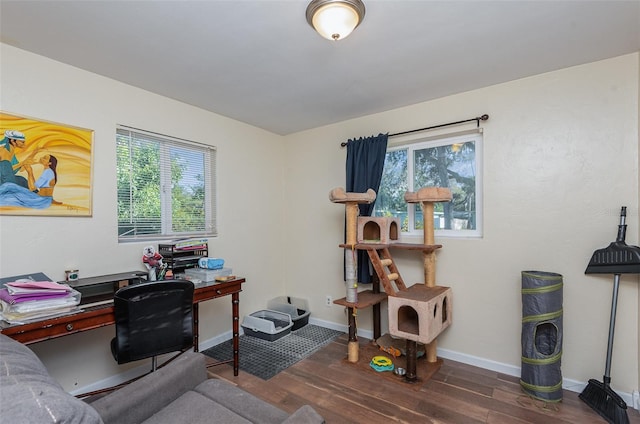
617 258
605 402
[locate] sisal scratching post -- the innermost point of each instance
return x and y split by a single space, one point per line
429 267
429 239
351 201
351 279
427 196
350 257
352 211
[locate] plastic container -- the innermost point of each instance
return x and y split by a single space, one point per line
206 275
267 324
297 308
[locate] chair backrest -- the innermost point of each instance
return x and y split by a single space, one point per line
153 318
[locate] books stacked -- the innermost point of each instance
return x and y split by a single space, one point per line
24 300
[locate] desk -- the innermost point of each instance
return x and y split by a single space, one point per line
102 315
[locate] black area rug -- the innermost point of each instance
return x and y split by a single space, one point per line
265 359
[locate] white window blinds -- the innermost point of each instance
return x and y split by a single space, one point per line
166 186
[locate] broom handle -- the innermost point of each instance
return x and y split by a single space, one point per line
622 228
612 325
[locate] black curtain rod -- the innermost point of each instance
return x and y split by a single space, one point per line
477 119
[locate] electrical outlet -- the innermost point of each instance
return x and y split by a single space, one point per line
329 301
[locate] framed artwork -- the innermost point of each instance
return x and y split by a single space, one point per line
45 168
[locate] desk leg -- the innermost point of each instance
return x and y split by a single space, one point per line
235 310
195 328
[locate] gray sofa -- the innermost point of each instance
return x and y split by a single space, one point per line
177 393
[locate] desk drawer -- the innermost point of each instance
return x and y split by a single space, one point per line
217 290
62 326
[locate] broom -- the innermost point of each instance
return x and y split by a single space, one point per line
599 396
617 258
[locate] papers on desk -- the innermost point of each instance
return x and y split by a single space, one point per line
23 290
25 300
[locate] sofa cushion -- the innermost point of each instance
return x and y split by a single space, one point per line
139 400
194 408
245 404
30 395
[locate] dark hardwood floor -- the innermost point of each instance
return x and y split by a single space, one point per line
343 392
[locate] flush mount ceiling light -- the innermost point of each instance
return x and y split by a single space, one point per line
335 19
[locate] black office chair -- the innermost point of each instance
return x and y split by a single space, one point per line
152 319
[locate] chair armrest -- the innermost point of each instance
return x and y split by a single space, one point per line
304 415
141 399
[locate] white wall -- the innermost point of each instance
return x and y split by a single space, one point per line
637 394
250 194
560 158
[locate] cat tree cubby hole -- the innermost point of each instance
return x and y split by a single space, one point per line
420 313
377 229
408 318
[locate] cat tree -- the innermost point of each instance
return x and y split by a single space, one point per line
418 313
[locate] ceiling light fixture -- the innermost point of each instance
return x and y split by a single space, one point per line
335 19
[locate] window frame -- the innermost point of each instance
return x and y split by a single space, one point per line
411 144
166 143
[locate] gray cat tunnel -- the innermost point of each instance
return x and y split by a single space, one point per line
541 376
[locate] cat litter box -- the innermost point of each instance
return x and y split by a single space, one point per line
297 308
267 324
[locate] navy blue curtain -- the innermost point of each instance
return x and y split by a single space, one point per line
365 163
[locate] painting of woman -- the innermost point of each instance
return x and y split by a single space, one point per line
39 194
38 157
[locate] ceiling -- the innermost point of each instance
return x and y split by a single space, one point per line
259 61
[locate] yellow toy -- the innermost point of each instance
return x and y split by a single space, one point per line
381 363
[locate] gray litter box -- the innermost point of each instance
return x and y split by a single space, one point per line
267 324
297 308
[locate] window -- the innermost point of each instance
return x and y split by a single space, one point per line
453 162
166 186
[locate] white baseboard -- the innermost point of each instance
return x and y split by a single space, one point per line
204 345
567 383
337 327
113 380
632 399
